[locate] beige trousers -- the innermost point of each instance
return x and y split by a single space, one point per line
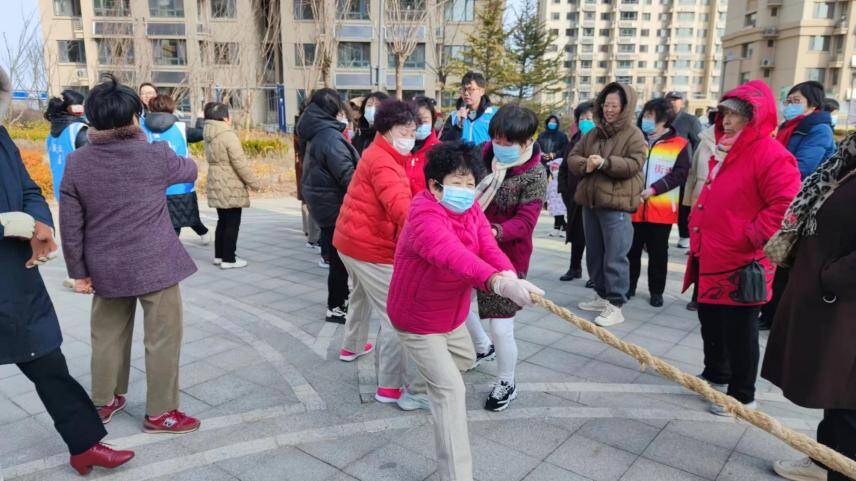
112 326
440 358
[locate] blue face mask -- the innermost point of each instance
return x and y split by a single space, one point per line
423 131
506 155
458 199
792 111
586 125
649 126
552 126
834 120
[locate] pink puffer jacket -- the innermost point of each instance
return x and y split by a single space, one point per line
441 256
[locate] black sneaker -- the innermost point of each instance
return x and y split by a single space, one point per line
657 300
490 355
590 284
571 275
336 315
692 306
501 396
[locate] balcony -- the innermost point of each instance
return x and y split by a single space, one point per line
159 29
203 30
774 3
841 27
770 32
356 32
837 61
113 29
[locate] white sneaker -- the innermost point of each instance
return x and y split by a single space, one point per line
800 470
239 263
719 409
411 402
684 243
205 238
555 233
598 304
323 264
610 316
218 261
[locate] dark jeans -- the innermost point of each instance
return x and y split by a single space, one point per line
337 279
838 431
654 238
226 234
577 237
780 282
558 222
198 227
730 337
73 413
683 217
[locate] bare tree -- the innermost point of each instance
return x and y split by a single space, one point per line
23 57
439 37
327 15
407 23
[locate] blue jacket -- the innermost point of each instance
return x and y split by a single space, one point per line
28 324
812 142
474 129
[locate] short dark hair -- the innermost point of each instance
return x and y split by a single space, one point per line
812 91
471 77
513 123
378 96
392 112
451 157
146 84
662 110
830 105
613 88
111 105
329 101
162 103
59 105
421 101
582 108
216 111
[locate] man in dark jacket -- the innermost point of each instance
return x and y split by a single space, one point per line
687 126
328 165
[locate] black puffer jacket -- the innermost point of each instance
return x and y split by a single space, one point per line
364 137
328 164
553 143
60 122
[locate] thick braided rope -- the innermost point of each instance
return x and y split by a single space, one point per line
798 441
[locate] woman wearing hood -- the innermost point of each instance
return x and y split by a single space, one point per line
553 143
752 180
364 133
68 132
609 161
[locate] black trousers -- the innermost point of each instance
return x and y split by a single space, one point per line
226 234
731 352
73 413
837 430
337 279
683 216
558 222
577 238
197 227
780 282
655 239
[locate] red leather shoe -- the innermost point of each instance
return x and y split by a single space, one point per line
106 412
173 422
99 455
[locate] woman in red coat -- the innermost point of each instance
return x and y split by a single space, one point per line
426 138
752 180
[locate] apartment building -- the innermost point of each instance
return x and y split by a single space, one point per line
200 50
655 45
784 42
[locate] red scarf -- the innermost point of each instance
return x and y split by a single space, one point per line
787 129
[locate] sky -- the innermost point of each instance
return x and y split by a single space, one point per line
10 21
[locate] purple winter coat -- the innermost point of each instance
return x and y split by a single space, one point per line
113 216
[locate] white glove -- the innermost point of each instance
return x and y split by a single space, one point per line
508 274
517 290
18 224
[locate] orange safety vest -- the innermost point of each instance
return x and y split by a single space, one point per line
663 208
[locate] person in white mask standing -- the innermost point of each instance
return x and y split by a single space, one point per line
364 131
368 227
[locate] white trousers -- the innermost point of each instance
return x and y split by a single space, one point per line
503 341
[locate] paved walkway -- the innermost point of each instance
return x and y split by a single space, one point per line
259 367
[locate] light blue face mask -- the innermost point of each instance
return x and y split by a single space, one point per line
552 126
834 121
586 125
423 131
649 126
792 111
458 199
506 155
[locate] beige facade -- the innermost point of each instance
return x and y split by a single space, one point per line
206 49
655 45
784 42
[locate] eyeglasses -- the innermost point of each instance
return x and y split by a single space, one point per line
470 90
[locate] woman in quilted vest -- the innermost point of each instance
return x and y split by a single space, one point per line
512 196
665 171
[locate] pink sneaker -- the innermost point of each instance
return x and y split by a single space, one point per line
348 356
387 395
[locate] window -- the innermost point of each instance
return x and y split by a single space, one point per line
767 73
644 32
170 52
357 10
680 80
626 48
71 51
643 49
701 33
774 11
683 48
625 64
698 64
686 16
66 8
839 43
600 80
166 8
456 52
833 77
571 32
817 74
587 48
604 32
115 51
646 17
684 32
603 48
602 64
819 43
585 79
223 9
624 79
588 16
415 60
824 10
354 55
607 16
771 43
303 10
554 16
662 48
588 32
554 31
641 64
659 64
627 32
681 64
664 17
701 49
698 81
744 77
227 53
750 19
640 80
572 16
704 17
586 64
629 15
111 8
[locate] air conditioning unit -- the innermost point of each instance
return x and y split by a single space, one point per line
767 63
853 61
81 73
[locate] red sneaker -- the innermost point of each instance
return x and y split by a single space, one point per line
387 395
106 412
99 455
173 422
348 356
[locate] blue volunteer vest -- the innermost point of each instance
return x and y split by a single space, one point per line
58 149
475 131
176 137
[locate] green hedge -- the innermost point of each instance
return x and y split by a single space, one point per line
258 147
36 131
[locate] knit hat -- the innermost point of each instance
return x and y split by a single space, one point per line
736 105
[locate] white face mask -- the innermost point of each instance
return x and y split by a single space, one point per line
404 146
369 114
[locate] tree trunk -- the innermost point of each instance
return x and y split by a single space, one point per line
399 76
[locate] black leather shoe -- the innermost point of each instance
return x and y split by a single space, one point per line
692 306
631 294
571 275
657 300
764 324
590 284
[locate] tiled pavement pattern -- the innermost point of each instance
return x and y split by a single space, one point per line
259 367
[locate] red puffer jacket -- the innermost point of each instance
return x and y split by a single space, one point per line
376 205
416 167
742 207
